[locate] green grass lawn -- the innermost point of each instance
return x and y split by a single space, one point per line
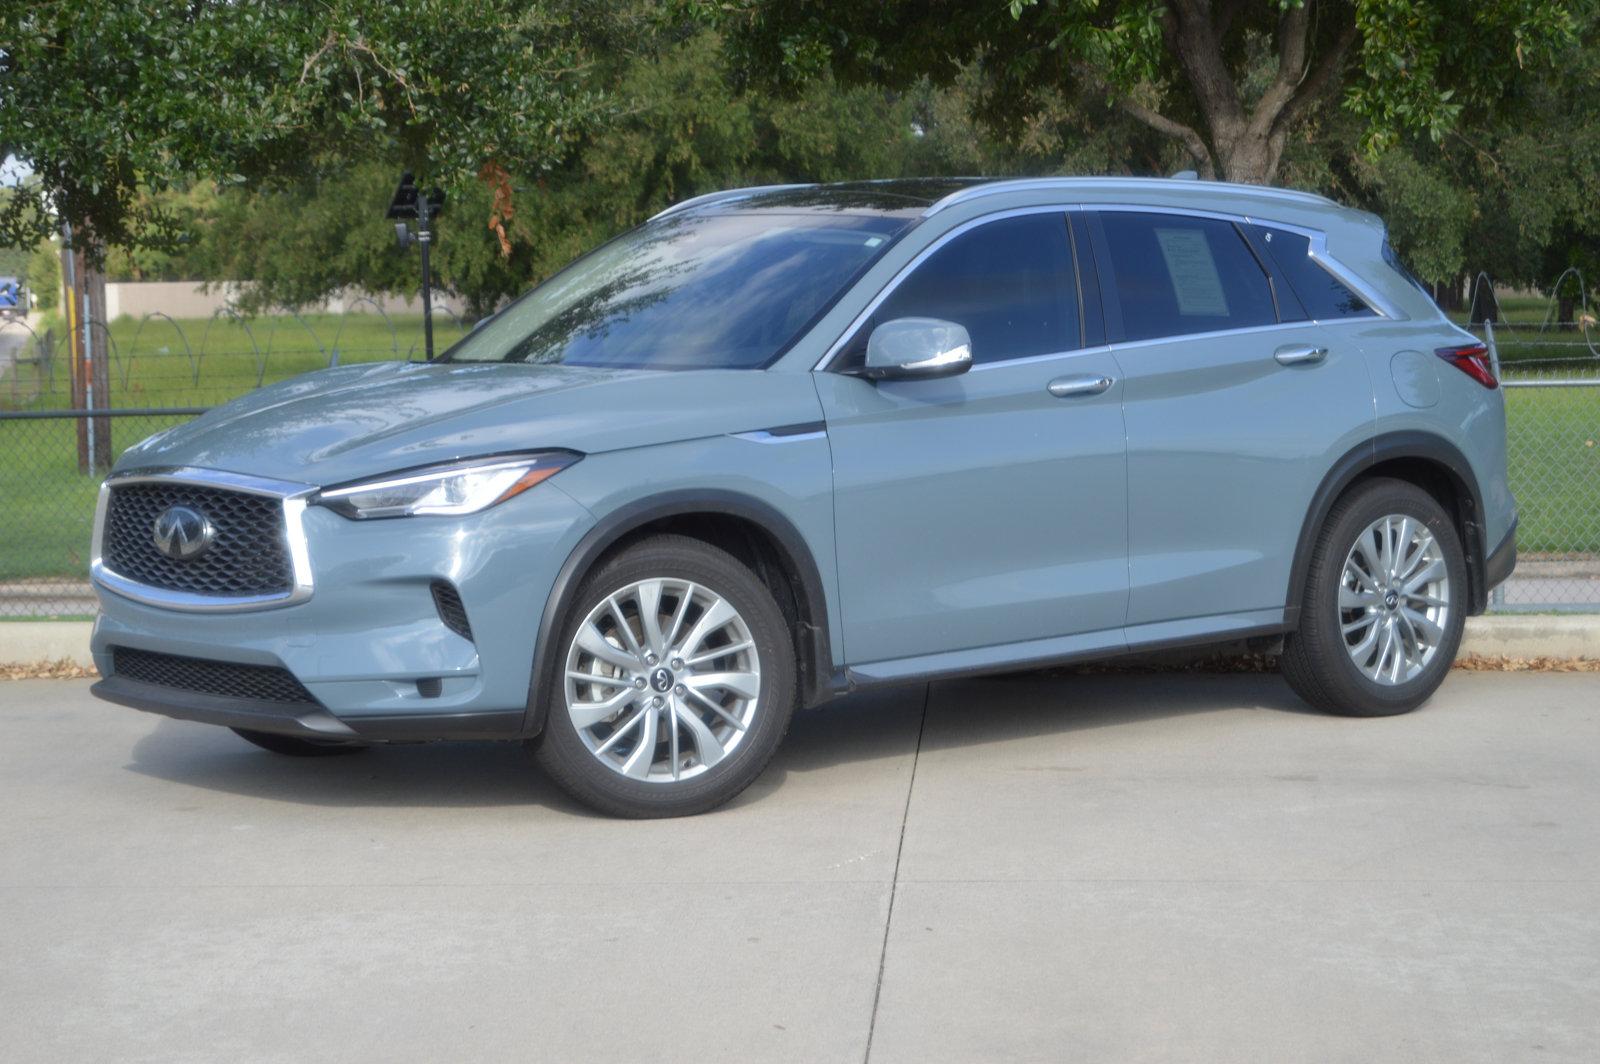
1528 346
1553 438
202 362
47 506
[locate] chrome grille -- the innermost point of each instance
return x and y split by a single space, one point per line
225 679
249 555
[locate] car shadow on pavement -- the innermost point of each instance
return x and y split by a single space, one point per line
863 727
423 775
1027 705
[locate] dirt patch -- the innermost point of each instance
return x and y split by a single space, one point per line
1246 663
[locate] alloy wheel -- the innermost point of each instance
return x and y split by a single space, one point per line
663 680
1394 599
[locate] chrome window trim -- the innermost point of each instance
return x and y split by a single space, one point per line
1053 356
294 498
1319 253
905 271
1317 239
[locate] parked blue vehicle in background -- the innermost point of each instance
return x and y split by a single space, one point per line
13 299
778 444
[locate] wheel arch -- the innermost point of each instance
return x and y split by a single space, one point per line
1431 462
748 528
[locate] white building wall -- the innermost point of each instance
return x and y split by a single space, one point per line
191 299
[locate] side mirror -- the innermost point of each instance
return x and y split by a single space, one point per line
917 349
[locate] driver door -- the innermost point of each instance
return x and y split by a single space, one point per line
988 511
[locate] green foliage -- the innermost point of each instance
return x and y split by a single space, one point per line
43 274
1182 68
108 100
684 130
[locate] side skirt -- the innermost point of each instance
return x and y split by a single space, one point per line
1062 650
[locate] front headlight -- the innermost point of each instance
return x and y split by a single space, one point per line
463 488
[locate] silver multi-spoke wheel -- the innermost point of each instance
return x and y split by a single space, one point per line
663 680
1394 599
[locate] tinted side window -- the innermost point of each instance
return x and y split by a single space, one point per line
1010 282
1175 274
1320 292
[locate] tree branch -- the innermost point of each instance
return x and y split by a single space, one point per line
1185 135
1191 37
1223 15
1292 28
1318 80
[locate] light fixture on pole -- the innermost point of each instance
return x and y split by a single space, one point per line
407 204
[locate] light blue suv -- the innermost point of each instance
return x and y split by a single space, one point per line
778 444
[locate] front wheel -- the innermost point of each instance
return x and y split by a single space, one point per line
1384 604
676 685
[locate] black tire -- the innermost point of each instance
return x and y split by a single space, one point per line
561 750
293 746
1316 658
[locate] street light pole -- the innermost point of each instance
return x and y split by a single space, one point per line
409 203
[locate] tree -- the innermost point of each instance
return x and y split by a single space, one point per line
683 130
1188 70
43 276
109 100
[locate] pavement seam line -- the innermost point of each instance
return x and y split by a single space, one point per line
894 882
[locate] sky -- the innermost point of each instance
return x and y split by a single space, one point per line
12 171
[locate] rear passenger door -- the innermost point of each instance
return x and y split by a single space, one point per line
1237 403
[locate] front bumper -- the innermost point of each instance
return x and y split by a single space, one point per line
284 718
369 630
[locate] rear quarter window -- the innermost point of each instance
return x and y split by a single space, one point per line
1322 295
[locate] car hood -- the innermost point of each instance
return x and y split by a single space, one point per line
348 422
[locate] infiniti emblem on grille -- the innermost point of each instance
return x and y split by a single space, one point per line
181 533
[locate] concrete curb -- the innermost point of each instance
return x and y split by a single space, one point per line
32 642
1532 636
1499 636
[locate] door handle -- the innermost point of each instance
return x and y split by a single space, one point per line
1067 387
1300 354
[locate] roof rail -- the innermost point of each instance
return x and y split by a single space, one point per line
725 196
1046 184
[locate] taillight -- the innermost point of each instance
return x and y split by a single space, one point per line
1473 360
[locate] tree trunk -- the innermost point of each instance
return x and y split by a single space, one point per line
1250 159
1448 294
88 347
1566 308
1245 145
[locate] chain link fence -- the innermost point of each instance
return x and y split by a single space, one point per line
158 372
62 426
1550 372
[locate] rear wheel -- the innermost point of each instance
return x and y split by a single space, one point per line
1384 605
293 746
677 682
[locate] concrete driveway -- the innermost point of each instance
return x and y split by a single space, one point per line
1096 868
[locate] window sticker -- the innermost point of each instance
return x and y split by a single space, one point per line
1195 280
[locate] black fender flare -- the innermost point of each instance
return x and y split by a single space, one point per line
816 675
1408 444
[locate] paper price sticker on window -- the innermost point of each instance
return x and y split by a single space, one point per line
1195 281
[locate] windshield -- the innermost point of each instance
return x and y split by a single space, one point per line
708 291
